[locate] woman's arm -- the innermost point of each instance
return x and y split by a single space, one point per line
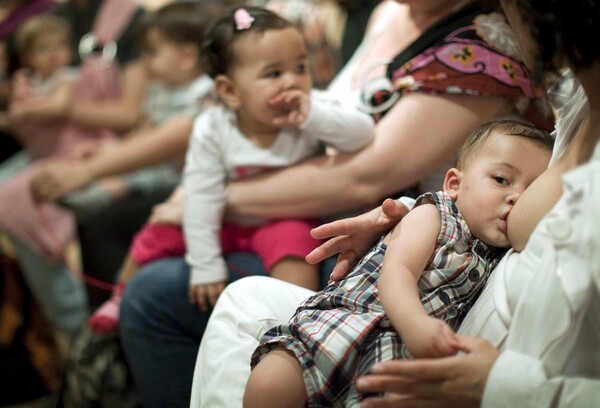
419 134
120 114
159 144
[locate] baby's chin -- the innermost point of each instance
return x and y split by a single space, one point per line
498 240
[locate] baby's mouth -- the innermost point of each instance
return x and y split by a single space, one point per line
503 223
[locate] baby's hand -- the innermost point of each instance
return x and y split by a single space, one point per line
431 338
21 84
205 296
294 107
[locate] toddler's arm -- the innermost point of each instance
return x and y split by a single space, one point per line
204 185
342 127
410 246
35 108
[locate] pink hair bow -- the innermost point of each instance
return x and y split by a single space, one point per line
243 19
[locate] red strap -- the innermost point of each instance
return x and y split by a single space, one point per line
112 18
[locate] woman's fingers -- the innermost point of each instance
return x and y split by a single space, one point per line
328 248
334 229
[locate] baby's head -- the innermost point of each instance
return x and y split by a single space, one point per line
43 44
171 39
499 160
253 54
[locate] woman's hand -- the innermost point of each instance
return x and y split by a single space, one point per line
57 179
456 381
351 238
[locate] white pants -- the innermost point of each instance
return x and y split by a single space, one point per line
245 310
249 307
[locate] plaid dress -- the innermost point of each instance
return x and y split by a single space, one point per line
340 332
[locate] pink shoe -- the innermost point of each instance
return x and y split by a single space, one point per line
106 318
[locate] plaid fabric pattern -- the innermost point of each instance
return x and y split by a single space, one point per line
340 332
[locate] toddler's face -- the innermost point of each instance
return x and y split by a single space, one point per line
49 52
266 65
165 60
493 181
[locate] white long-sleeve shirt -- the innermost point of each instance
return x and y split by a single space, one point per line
219 152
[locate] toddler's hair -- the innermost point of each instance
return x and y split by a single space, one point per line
37 26
217 53
179 22
482 133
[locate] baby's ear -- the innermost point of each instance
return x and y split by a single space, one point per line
227 91
452 182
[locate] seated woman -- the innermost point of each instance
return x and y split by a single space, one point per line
154 310
543 363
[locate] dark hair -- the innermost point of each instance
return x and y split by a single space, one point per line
217 53
483 132
565 31
179 22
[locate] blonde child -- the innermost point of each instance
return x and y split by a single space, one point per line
406 296
40 233
46 83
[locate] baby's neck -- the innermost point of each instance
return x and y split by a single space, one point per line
260 135
187 78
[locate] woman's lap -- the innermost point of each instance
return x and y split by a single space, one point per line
161 330
246 309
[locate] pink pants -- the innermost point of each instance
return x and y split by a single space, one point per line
271 242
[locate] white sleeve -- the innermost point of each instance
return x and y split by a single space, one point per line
519 380
205 195
522 378
345 128
406 201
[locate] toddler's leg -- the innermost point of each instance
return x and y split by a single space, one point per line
276 381
282 247
106 318
296 271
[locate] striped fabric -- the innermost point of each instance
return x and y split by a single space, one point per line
340 332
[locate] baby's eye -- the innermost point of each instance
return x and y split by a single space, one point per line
273 74
301 68
500 180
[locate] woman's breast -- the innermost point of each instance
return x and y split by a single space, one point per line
535 202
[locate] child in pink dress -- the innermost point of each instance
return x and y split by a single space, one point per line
44 47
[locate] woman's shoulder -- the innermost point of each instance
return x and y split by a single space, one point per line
381 16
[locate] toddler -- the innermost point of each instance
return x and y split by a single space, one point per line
404 298
171 39
46 83
268 119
